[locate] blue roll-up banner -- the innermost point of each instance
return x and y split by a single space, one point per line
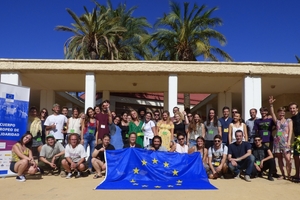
14 103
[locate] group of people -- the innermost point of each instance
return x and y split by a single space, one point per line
245 148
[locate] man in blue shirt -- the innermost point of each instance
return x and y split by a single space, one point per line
225 121
240 157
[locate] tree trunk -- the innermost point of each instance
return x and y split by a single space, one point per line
187 101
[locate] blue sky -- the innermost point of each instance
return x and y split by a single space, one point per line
256 30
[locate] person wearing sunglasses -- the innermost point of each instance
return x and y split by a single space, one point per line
217 156
43 116
264 127
180 147
240 157
156 117
264 159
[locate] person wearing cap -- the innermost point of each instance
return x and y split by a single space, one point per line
51 155
55 123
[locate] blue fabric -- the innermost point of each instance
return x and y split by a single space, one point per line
116 136
134 168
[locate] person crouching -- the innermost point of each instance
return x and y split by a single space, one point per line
74 157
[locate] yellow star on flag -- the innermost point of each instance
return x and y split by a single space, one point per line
144 162
175 172
136 170
166 164
132 181
179 181
154 161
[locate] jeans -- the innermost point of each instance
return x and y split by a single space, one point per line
267 165
192 143
247 163
89 139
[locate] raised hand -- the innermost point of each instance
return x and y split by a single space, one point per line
271 100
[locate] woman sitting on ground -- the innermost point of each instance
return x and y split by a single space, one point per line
200 147
98 160
22 160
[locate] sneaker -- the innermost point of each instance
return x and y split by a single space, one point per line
270 178
247 178
78 175
69 175
63 174
237 176
21 178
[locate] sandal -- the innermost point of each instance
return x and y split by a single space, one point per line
96 176
281 178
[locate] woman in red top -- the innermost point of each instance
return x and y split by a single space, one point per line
89 132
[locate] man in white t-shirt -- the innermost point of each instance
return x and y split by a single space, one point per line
217 155
180 147
55 123
74 156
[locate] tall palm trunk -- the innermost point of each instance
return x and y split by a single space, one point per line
187 101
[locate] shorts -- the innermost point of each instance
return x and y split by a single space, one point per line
84 163
36 143
12 167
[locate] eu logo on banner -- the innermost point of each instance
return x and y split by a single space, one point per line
138 169
9 97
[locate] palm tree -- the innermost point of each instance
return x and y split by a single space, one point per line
92 35
298 59
185 35
107 34
130 45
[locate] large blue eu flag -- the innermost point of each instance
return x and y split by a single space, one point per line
133 168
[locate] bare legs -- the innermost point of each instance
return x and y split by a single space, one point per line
98 166
21 167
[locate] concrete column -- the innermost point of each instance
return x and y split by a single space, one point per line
224 99
105 95
166 100
13 78
47 99
252 96
90 90
112 106
172 91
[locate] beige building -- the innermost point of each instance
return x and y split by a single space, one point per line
242 85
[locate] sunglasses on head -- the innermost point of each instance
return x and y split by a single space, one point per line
180 139
217 141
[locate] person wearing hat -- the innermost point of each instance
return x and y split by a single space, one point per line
51 155
55 124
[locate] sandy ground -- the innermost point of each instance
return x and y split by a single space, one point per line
53 187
